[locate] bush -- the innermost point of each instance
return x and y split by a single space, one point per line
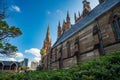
104 68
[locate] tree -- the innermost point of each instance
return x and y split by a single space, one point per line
42 51
7 32
3 9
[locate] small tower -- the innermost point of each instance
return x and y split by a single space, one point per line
86 7
59 30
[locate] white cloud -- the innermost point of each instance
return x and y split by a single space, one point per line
29 64
34 51
16 54
48 12
15 8
20 60
1 55
19 55
59 11
36 59
11 59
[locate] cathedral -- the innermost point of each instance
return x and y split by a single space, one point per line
96 33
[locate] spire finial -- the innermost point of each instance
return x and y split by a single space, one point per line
79 13
75 16
68 14
59 24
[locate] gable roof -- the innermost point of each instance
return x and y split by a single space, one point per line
89 18
9 63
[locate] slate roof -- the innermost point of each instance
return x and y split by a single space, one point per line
89 18
9 63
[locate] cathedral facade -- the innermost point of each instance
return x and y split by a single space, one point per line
95 33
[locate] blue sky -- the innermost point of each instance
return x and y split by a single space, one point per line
33 17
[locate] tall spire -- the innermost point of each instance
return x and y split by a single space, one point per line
47 41
48 34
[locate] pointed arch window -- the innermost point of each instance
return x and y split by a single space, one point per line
68 49
76 44
119 21
116 26
56 54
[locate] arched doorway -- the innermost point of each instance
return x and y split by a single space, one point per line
14 66
1 66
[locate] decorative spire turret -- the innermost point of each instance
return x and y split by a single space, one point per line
79 14
75 17
59 30
68 17
63 26
66 24
86 7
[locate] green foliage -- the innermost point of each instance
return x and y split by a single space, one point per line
24 67
42 51
7 32
104 68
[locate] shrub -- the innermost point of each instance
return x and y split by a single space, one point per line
104 68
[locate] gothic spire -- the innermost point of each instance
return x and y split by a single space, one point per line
68 14
75 17
79 13
68 17
48 34
59 24
59 30
47 41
